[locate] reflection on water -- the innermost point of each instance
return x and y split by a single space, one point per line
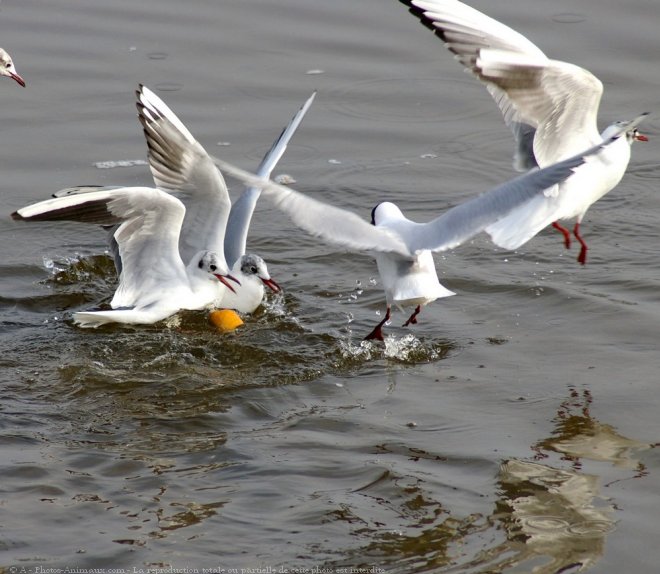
554 519
579 436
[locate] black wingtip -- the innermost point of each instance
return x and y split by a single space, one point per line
411 7
427 22
17 216
419 14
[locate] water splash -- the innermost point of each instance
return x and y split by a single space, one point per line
407 349
55 267
275 304
79 268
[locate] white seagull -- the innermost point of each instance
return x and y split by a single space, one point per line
154 282
180 165
551 107
403 248
7 68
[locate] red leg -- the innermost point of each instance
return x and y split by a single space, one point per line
413 318
582 258
377 332
565 232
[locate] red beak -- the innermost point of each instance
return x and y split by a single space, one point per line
271 284
223 280
641 138
20 81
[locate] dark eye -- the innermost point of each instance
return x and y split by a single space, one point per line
253 269
213 267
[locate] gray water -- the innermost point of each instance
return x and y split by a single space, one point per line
512 430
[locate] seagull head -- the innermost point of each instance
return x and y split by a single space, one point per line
385 211
630 127
637 137
7 68
253 265
215 265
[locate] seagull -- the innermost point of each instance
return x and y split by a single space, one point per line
403 248
180 165
7 68
154 282
551 108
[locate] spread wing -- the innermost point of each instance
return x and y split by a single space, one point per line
332 224
467 219
179 164
148 224
243 208
550 106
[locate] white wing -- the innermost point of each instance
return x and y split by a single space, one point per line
243 208
330 223
180 164
466 220
553 102
405 237
149 222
